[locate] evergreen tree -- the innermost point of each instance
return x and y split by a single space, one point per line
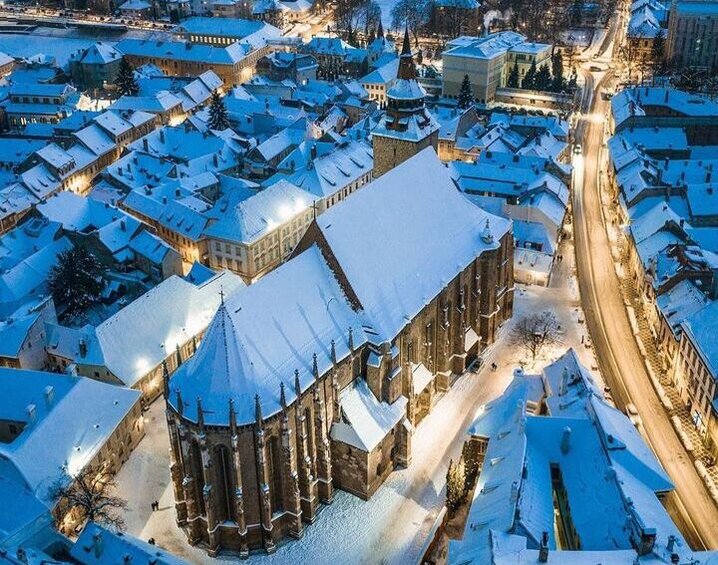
513 80
466 97
125 81
76 281
558 83
455 484
543 78
529 82
380 30
217 113
658 53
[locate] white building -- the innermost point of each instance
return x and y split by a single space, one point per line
566 478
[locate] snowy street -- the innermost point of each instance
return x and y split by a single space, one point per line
351 530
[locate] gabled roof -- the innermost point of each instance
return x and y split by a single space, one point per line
392 225
133 342
48 443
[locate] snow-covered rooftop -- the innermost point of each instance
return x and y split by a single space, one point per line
45 404
392 225
609 475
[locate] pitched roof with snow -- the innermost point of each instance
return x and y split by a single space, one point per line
609 475
45 403
99 546
262 335
392 225
133 342
246 214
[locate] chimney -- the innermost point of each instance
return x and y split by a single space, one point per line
164 200
313 151
97 544
83 348
49 396
162 135
514 491
145 144
543 548
566 440
31 411
215 160
563 384
123 225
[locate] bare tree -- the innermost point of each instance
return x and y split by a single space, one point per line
353 16
410 13
535 331
89 494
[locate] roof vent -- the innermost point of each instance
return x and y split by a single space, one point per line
566 440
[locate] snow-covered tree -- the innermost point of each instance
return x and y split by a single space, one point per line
90 495
543 78
410 13
76 281
558 83
529 82
658 53
535 331
455 484
466 96
217 113
513 80
126 82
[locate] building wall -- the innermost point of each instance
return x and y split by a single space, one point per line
697 386
390 152
692 38
94 75
484 74
245 487
253 259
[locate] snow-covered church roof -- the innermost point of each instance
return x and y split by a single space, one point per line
402 238
262 335
381 239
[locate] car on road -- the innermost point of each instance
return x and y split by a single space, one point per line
577 150
632 413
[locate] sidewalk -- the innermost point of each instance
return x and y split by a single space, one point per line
675 407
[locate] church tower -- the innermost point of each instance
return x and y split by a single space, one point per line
407 127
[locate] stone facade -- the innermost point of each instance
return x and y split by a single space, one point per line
392 151
243 487
407 127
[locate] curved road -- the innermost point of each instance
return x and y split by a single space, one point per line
618 356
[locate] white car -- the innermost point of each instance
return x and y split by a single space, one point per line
577 150
632 413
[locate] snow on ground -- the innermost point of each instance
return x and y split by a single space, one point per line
391 527
579 37
61 43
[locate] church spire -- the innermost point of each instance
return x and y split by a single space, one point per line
407 69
